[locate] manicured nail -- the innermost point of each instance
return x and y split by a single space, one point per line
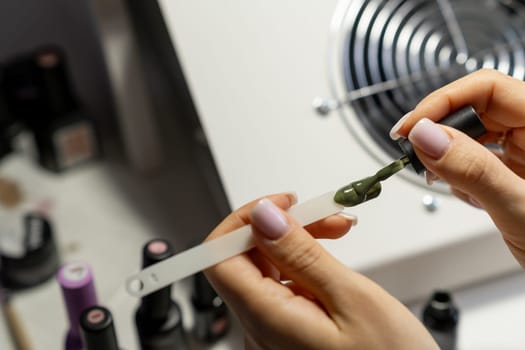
475 203
349 217
430 138
292 197
430 177
394 131
269 219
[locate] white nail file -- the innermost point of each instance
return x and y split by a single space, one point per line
212 252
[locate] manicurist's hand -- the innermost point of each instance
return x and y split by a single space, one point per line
494 182
323 304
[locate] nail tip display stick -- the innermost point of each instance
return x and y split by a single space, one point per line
212 252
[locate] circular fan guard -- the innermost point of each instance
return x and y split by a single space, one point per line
393 53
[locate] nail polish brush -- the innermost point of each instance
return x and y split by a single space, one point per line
465 119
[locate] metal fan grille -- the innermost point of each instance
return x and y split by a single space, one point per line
398 51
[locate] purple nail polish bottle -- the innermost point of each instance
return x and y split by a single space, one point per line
78 290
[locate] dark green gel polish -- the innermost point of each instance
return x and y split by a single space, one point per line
360 191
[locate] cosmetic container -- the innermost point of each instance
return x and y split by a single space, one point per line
441 317
37 260
98 330
6 122
64 135
78 291
40 95
465 119
158 319
210 312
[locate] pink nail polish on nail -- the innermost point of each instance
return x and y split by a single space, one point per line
430 138
269 219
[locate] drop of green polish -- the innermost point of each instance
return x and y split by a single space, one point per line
360 191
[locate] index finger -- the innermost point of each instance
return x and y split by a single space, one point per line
237 278
240 216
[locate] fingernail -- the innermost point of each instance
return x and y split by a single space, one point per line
394 131
269 219
430 177
430 138
349 217
292 197
475 203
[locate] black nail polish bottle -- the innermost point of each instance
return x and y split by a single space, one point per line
465 119
6 121
98 331
68 137
211 314
41 95
441 317
158 318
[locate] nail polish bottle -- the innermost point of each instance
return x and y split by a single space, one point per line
158 319
22 100
40 95
98 331
64 135
210 312
465 119
441 317
37 258
6 121
20 89
78 291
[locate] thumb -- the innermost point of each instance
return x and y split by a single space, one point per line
465 164
296 253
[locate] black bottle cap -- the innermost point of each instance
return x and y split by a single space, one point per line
157 304
54 82
39 260
98 331
465 119
6 122
6 118
38 88
159 318
20 88
440 312
155 251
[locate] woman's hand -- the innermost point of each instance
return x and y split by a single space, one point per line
322 304
494 182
